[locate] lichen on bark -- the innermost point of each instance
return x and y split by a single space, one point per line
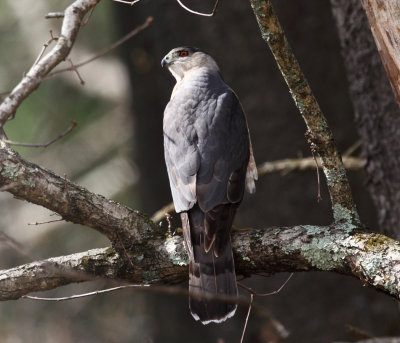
319 134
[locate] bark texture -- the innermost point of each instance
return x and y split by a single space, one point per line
121 225
319 134
376 112
370 257
144 254
58 271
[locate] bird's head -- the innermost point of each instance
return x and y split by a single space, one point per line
184 59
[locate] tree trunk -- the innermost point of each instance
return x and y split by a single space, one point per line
383 16
377 115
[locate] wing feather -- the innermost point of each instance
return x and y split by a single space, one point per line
206 144
181 157
224 155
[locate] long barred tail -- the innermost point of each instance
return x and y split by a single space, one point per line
214 277
211 271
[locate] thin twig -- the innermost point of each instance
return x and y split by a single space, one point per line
74 69
170 291
160 214
101 53
278 290
125 252
127 2
175 291
199 13
303 164
313 151
350 151
247 317
82 295
152 289
86 20
248 289
45 145
54 15
11 242
5 93
47 222
310 139
278 326
45 45
162 290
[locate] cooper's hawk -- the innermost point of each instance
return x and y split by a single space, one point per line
210 162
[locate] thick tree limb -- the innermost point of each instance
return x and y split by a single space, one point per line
73 203
383 18
57 271
146 256
72 21
319 134
371 257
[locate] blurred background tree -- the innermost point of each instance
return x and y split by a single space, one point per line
117 151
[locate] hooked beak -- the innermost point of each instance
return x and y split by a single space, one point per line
165 61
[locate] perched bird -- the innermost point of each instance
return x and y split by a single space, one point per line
210 162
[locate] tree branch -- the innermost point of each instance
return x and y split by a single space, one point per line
106 50
303 164
73 203
45 145
83 295
72 21
57 271
319 134
146 256
199 13
142 254
371 257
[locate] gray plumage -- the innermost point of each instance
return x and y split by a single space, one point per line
209 162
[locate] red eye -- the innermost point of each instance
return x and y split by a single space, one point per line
183 53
